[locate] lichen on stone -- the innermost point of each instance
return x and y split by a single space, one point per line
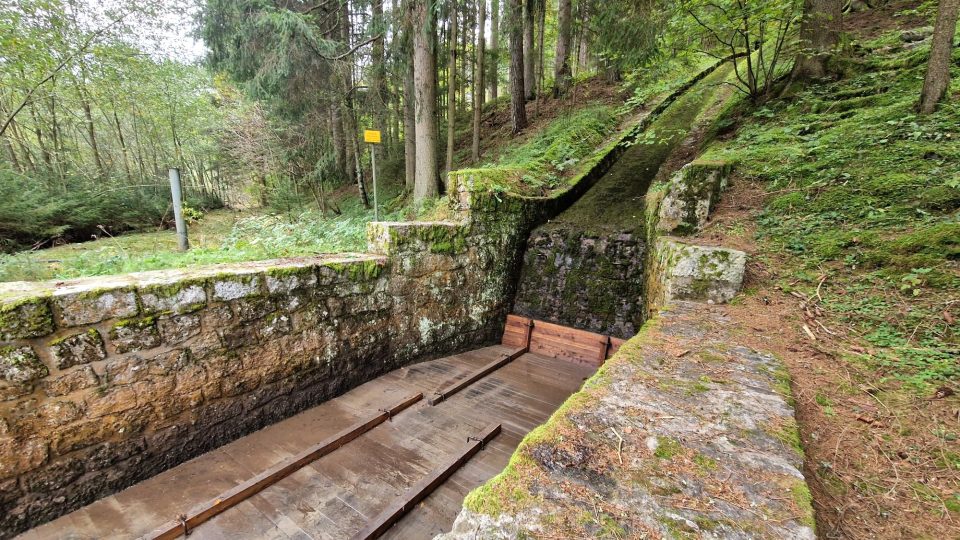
20 364
25 318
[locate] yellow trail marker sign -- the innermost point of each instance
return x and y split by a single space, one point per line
371 136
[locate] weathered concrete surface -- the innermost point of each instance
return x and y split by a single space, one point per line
682 434
691 195
699 273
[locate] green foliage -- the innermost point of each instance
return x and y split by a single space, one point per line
218 238
627 34
759 31
90 122
662 77
554 152
863 190
35 212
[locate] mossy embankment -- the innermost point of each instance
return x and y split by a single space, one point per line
615 203
849 202
585 268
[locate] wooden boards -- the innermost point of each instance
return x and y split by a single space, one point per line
419 491
206 511
561 342
516 333
440 395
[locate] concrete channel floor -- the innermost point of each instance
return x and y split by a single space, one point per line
335 496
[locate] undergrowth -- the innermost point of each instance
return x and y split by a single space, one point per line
249 238
864 198
543 161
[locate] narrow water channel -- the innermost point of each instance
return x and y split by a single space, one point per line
585 268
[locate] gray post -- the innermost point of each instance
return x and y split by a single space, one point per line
182 242
373 164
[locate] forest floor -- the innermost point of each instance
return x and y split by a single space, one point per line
849 205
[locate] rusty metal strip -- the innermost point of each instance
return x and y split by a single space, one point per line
228 499
422 489
441 395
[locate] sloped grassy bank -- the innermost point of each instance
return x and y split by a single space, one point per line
852 202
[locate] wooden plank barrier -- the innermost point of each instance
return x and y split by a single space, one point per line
422 489
561 342
206 511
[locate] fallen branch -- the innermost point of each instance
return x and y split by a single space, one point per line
619 446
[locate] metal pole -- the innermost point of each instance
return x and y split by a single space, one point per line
373 164
182 242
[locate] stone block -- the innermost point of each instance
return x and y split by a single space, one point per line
177 297
55 476
19 456
284 281
698 273
691 195
276 324
126 370
176 330
226 288
20 365
114 400
135 335
76 379
249 309
92 306
78 349
25 319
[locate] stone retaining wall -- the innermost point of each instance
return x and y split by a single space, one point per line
107 381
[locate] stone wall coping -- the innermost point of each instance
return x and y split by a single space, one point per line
18 291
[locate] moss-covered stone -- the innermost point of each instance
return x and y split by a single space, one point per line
135 335
25 319
95 305
76 349
20 365
182 296
357 271
226 287
689 272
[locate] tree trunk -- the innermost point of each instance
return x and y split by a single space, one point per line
409 102
464 35
561 68
478 85
424 70
452 86
517 96
123 144
11 153
529 75
379 82
494 75
819 35
937 80
583 52
542 23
